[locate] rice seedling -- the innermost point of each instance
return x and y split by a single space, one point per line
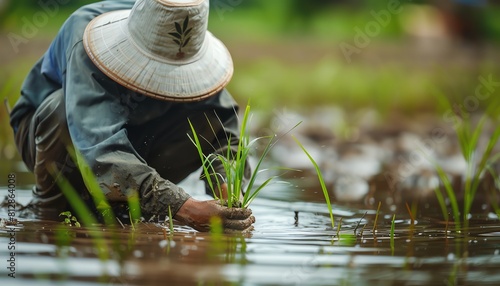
164 233
468 143
411 214
111 247
70 220
476 164
451 197
98 197
374 230
84 214
105 213
338 228
359 222
321 181
134 207
446 229
344 238
170 221
363 229
393 227
493 193
94 189
234 164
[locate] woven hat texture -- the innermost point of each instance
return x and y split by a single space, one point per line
161 49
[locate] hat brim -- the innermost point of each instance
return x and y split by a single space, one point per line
108 45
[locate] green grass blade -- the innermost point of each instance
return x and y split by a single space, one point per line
253 177
94 189
442 203
449 192
463 138
82 210
338 228
494 197
451 195
84 214
376 218
393 228
234 162
205 162
240 168
213 130
485 158
243 134
254 194
469 148
170 221
242 153
134 206
473 186
272 141
321 180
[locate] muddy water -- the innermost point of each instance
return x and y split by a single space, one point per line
293 244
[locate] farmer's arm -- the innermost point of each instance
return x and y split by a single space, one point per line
96 122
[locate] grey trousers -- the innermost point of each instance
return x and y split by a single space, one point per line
42 140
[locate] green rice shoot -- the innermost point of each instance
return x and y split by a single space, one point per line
376 218
468 138
235 163
321 181
393 227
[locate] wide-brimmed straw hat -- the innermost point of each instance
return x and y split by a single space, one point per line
160 48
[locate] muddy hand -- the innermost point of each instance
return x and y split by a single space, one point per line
237 218
197 214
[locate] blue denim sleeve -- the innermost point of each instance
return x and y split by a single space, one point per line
43 79
96 121
52 63
48 74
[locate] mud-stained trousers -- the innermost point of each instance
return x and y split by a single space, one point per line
43 141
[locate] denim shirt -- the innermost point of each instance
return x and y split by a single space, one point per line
108 123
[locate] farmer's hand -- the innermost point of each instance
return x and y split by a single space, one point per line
197 214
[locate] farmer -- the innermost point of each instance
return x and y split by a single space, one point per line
118 86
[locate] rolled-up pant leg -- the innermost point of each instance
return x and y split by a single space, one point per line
43 139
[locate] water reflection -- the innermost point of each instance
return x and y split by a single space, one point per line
293 244
279 252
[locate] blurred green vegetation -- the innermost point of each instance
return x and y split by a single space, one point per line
14 14
288 53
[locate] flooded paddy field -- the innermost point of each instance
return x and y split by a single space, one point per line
292 244
405 242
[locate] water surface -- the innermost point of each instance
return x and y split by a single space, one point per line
293 244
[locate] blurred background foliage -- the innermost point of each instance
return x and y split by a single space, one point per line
354 54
